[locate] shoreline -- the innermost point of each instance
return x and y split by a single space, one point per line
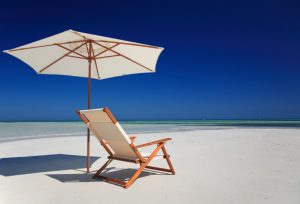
197 128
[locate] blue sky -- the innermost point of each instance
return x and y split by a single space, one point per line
222 59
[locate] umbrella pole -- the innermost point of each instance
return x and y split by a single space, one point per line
88 130
89 106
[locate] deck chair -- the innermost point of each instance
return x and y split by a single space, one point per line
121 147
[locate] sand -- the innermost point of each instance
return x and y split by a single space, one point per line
225 165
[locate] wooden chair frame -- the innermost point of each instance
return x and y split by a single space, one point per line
142 161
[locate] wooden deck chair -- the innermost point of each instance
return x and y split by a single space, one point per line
121 147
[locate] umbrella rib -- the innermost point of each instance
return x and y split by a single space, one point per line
106 50
96 65
76 33
76 57
83 57
26 48
86 46
107 56
124 43
124 56
60 58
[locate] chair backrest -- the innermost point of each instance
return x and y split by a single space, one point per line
105 127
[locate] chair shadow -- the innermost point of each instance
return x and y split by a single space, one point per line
36 164
123 174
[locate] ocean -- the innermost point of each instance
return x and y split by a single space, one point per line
11 131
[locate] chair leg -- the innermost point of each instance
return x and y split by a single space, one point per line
102 168
143 165
168 160
159 169
167 157
135 176
139 171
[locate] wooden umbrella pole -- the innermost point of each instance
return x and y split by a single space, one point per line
89 107
88 130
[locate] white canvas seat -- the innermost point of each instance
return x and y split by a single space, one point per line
119 146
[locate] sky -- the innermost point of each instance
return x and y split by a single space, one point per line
222 59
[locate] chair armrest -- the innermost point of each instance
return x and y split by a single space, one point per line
132 138
154 142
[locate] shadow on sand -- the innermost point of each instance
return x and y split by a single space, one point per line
35 164
122 174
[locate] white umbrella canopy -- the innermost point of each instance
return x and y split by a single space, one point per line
74 53
67 53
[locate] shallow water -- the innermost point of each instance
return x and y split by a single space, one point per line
10 131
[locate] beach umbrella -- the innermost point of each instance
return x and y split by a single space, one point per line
74 53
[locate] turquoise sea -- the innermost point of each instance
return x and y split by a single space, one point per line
11 131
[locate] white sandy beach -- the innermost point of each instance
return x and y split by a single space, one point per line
230 165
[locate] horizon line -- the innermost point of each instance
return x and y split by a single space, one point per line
162 120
